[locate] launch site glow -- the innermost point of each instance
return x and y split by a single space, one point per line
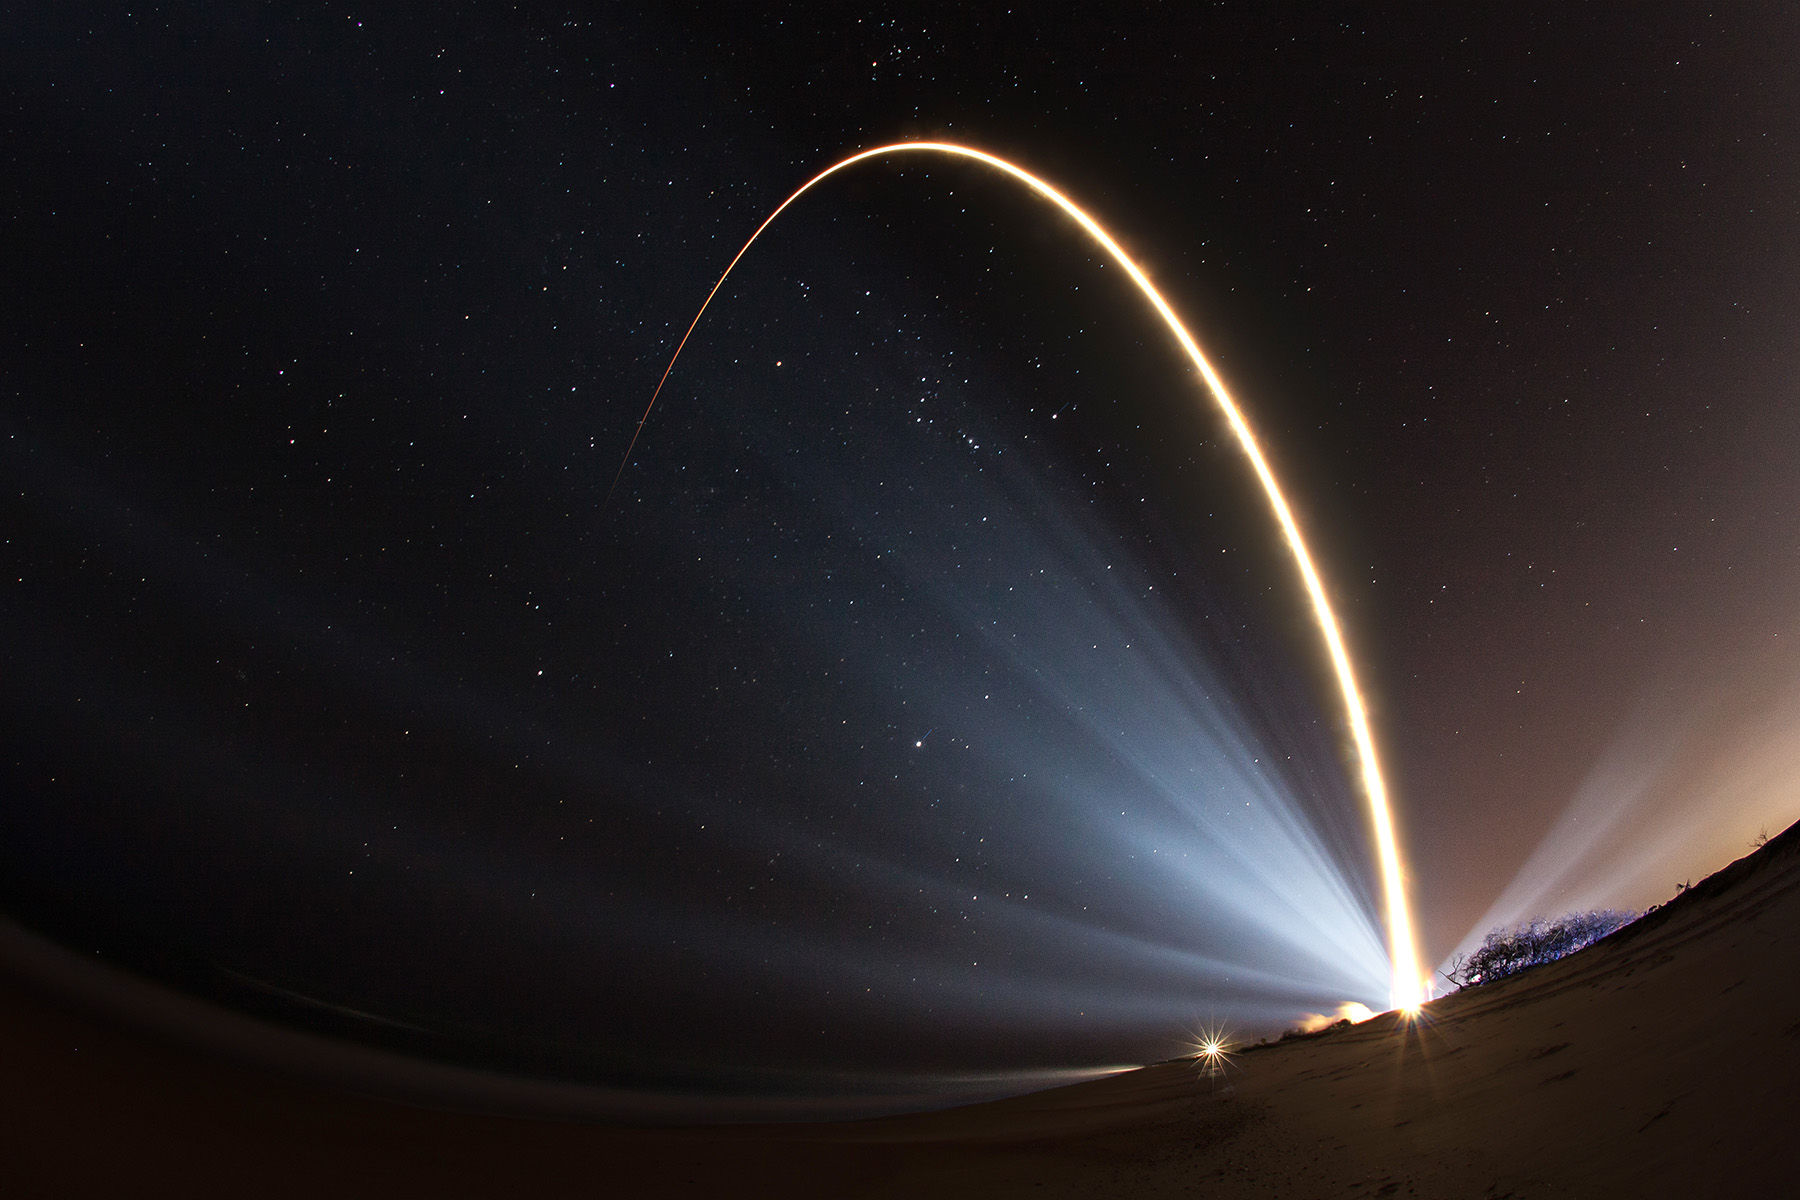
1407 985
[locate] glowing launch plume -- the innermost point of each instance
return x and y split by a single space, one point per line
1407 983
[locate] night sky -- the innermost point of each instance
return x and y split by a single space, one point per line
931 710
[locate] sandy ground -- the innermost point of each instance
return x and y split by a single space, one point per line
1664 1061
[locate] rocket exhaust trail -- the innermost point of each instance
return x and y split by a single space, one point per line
1407 986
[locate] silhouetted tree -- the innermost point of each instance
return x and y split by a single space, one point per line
1507 951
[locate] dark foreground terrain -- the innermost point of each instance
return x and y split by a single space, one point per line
1663 1061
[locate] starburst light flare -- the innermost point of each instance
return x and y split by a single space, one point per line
1406 988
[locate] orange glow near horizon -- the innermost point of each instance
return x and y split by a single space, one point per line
1407 984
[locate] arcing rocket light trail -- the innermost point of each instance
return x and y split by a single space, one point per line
1407 987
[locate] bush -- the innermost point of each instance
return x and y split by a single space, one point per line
1508 951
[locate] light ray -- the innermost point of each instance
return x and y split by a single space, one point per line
1407 986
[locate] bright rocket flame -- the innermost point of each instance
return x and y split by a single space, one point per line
1406 988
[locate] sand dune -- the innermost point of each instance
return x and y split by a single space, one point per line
1663 1061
